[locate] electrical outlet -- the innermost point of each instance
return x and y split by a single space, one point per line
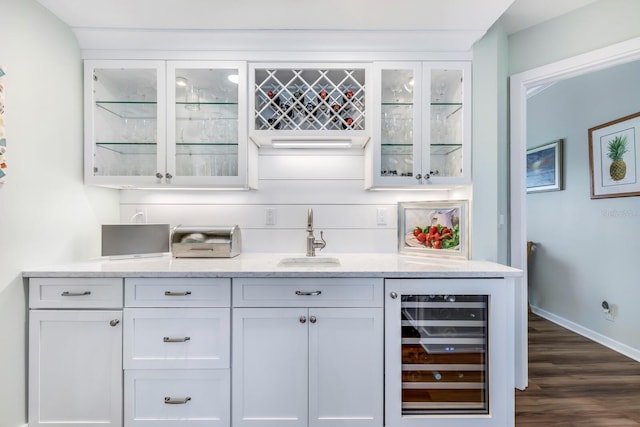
381 216
270 216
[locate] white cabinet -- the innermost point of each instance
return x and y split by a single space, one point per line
75 354
309 102
297 364
164 124
177 352
422 133
449 352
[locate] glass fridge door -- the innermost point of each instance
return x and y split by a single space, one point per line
444 354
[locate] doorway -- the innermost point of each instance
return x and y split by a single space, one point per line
519 85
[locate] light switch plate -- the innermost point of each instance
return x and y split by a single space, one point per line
381 216
270 216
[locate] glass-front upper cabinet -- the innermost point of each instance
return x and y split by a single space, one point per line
124 122
309 102
207 127
423 134
165 124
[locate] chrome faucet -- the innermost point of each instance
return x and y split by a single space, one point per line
312 243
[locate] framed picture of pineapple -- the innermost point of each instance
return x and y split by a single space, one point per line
614 158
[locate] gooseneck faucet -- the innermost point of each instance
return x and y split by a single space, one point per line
312 243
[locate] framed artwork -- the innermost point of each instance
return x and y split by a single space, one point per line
614 158
434 228
544 168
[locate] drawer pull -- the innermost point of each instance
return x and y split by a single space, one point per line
169 339
176 294
308 293
75 294
174 401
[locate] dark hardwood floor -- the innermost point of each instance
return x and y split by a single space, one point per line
574 381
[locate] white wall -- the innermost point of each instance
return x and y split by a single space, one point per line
586 249
291 181
47 216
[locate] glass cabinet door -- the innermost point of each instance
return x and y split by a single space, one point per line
124 122
423 133
398 129
448 121
206 129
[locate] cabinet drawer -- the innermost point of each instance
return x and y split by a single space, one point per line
177 398
177 292
77 292
313 292
176 338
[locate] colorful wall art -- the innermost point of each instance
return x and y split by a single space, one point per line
3 137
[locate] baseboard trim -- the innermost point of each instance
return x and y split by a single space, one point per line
614 345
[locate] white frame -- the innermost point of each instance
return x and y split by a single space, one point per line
616 54
501 357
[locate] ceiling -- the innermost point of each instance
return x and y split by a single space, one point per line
422 15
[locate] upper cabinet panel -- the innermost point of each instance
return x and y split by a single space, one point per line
124 127
166 123
309 102
422 134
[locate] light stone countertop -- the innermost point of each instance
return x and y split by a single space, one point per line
266 265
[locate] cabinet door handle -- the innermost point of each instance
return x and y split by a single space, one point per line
303 319
168 175
418 176
176 294
114 322
169 339
308 293
176 401
158 175
313 319
75 294
393 295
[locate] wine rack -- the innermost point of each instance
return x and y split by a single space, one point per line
309 99
444 354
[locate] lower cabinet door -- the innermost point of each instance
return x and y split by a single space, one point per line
75 368
269 367
346 366
177 398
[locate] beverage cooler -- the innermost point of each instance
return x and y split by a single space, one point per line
437 353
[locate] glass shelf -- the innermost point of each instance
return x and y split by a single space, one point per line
151 148
130 109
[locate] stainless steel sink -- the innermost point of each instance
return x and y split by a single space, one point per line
309 262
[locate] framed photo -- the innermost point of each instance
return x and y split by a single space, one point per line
544 168
434 228
614 158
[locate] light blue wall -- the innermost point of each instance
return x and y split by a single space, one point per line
597 25
587 250
490 173
47 216
576 266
